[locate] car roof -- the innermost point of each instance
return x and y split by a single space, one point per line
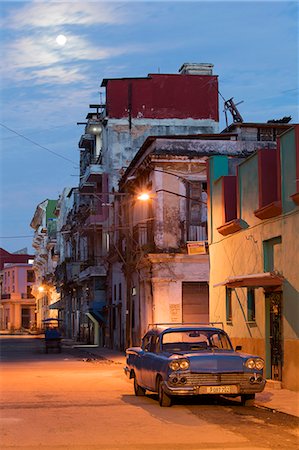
159 329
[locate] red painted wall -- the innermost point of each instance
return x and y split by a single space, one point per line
229 192
164 97
6 257
268 182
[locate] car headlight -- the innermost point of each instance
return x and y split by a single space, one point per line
184 364
174 365
250 363
178 364
259 363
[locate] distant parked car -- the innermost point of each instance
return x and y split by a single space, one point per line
178 360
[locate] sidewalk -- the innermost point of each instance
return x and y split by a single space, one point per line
281 400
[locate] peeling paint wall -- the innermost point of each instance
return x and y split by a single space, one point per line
120 143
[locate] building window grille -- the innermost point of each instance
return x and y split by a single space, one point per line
114 318
229 314
197 211
251 305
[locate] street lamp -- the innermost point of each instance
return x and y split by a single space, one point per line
145 196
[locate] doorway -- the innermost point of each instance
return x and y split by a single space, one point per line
26 318
195 302
274 336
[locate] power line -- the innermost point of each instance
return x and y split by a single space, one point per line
16 237
36 143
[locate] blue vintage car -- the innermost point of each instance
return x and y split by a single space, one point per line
178 360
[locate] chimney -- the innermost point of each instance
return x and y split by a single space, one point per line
196 69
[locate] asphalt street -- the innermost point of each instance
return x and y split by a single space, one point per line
70 400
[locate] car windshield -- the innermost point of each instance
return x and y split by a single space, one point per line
195 340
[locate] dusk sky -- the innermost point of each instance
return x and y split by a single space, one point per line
47 86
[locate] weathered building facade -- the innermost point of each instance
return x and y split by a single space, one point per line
44 223
159 263
17 306
135 108
254 248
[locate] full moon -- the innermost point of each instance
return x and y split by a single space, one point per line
61 39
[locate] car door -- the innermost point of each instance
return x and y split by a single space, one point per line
151 363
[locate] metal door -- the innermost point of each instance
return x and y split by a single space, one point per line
275 335
195 300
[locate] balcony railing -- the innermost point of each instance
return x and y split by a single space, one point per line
193 232
24 295
143 237
5 296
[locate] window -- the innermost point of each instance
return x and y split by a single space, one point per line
114 318
197 211
119 292
272 254
30 276
251 305
269 184
229 314
114 293
133 314
29 292
146 342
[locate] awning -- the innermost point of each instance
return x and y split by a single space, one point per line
56 305
264 279
95 316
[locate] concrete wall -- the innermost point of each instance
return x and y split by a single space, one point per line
120 143
242 253
161 294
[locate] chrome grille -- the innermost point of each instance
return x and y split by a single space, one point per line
216 379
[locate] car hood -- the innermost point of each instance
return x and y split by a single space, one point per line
224 361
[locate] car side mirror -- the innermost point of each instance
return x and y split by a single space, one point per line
238 348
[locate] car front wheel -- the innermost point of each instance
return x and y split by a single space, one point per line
164 399
247 399
139 391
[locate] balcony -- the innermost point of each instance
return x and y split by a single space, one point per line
86 141
93 267
143 237
94 220
26 296
196 233
5 296
72 270
37 240
91 174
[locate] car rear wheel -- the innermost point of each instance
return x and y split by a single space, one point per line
164 399
247 399
139 391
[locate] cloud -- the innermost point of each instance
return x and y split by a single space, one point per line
40 58
55 75
49 14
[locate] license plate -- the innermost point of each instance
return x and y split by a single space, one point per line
230 389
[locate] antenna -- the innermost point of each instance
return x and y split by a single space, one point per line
231 106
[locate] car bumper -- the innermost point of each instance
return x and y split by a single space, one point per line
233 389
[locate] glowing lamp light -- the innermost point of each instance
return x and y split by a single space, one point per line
41 289
144 196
